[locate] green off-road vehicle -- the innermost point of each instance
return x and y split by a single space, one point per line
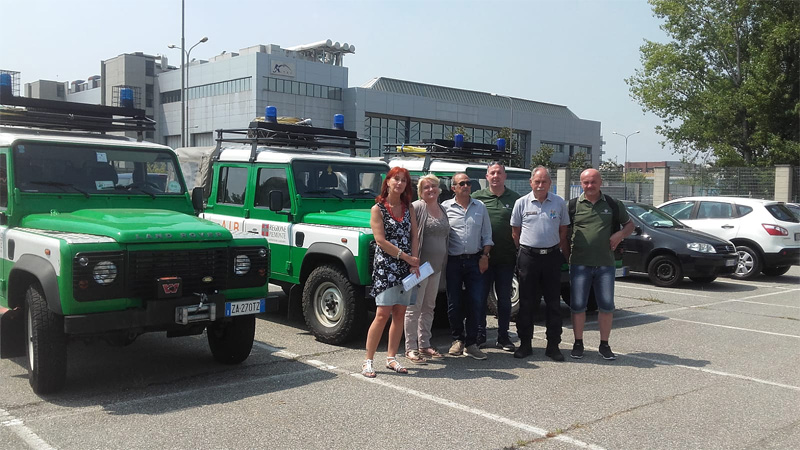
302 188
99 239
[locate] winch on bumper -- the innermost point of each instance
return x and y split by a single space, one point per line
163 314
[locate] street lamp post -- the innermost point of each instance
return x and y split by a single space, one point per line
184 87
511 137
625 167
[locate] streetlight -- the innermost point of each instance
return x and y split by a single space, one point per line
511 137
625 167
184 90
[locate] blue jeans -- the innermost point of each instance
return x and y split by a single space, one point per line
501 275
466 303
583 278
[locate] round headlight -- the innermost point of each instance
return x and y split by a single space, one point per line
241 264
105 272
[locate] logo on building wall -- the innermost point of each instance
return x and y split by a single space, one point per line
283 69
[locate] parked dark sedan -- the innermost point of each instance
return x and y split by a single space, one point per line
667 250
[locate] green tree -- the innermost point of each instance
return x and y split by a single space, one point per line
459 130
610 166
544 157
578 162
727 82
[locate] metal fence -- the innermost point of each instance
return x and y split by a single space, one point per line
750 182
796 185
615 185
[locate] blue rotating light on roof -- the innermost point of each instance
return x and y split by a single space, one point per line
126 98
338 121
271 114
501 145
459 140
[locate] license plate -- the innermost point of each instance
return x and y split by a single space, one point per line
621 272
797 236
245 307
730 262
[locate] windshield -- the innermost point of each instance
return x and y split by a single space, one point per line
320 179
87 170
653 216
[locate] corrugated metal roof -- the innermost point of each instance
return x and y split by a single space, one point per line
466 97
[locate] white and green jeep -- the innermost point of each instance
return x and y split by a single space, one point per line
303 189
99 239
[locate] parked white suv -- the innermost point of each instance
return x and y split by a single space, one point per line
765 232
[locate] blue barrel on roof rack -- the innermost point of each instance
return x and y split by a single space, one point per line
338 121
501 145
459 140
126 98
271 114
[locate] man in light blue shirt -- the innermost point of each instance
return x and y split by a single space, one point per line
468 257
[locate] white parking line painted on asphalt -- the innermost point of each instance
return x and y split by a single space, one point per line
736 328
26 434
661 291
768 294
444 402
767 304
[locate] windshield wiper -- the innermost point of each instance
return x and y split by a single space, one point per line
61 185
367 192
324 191
129 187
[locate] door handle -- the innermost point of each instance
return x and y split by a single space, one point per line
727 227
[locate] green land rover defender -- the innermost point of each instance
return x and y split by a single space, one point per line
99 239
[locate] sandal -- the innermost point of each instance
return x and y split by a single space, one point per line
367 370
393 364
415 357
431 353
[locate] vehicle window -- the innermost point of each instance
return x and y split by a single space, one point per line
715 210
742 210
232 185
3 181
781 212
272 180
324 180
652 216
679 210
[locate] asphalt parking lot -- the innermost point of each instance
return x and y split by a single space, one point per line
712 366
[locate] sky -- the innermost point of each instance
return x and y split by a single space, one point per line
575 53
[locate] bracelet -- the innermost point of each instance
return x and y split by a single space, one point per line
399 252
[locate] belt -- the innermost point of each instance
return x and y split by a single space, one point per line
540 251
467 255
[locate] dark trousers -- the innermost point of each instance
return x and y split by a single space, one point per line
539 275
464 272
501 276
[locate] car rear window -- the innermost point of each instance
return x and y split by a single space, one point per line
781 212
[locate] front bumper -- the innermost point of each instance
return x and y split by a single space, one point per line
707 265
156 315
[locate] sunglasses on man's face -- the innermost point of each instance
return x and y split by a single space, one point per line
463 183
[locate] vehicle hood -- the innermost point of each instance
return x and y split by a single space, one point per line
344 218
130 226
684 234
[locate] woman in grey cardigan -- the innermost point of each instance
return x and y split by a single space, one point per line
433 230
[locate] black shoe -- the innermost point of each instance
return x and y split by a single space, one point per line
606 352
505 344
554 353
577 351
524 350
481 342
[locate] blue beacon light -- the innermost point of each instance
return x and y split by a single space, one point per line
271 114
126 98
501 145
338 121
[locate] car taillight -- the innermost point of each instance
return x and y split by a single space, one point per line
775 230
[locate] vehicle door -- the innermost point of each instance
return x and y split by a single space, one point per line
276 226
227 205
717 218
639 244
3 223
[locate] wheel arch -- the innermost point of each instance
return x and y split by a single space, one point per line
327 253
749 243
30 269
660 252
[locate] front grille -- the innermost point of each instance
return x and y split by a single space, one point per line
372 246
192 266
724 248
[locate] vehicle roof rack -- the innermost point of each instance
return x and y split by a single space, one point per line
300 138
59 115
445 149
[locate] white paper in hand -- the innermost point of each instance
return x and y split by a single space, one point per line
412 280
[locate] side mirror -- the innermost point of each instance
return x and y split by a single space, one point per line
197 198
637 230
276 200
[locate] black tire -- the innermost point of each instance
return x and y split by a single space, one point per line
703 280
749 264
231 341
333 307
665 271
492 300
775 271
46 343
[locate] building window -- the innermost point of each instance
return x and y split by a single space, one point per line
149 95
60 90
149 68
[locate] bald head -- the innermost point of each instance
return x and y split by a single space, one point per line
591 182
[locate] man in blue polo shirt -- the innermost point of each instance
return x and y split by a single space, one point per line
539 228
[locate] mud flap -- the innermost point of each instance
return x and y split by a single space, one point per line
12 333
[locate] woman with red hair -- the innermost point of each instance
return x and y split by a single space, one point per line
394 226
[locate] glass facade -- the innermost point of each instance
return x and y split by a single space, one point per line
304 89
386 130
208 90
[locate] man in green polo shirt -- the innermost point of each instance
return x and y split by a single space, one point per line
591 261
499 201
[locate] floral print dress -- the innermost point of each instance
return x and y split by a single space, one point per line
389 271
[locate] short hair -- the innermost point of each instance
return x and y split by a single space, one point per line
496 163
537 168
430 178
453 180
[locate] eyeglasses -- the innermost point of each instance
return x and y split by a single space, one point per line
463 183
496 163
